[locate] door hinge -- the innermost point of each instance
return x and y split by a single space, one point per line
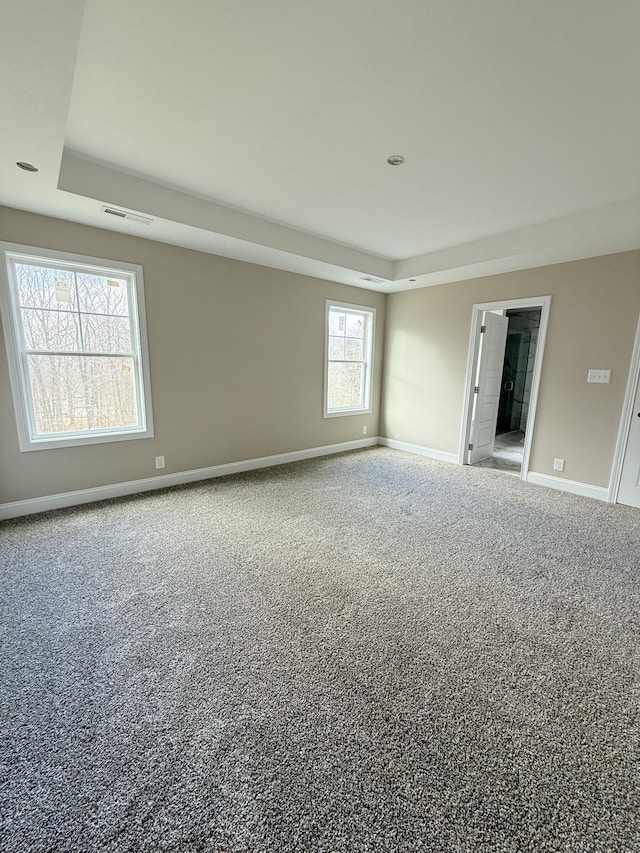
476 389
471 447
483 329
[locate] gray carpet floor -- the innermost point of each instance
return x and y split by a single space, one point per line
366 652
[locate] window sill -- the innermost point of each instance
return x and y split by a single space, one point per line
78 440
345 412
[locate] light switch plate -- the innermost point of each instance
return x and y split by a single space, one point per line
603 376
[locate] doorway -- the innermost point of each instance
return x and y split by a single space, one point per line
624 487
503 376
507 453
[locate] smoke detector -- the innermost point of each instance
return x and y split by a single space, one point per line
124 214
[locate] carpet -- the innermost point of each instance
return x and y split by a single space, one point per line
366 652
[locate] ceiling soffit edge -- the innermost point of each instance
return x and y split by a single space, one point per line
106 184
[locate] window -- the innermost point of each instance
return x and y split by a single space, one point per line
76 342
348 359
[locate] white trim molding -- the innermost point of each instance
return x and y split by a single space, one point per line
600 493
133 487
163 481
625 419
572 486
419 450
542 302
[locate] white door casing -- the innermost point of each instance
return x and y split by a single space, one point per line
544 303
491 362
629 491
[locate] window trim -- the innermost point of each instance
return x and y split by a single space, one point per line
18 374
367 408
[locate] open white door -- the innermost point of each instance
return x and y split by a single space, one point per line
491 361
629 491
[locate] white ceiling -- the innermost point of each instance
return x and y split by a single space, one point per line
260 130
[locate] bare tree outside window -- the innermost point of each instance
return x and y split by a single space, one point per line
79 348
77 336
349 345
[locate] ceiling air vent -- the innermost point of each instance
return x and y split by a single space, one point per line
372 279
132 217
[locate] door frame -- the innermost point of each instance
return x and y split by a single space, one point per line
625 420
542 302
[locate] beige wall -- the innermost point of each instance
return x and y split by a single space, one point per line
594 312
236 354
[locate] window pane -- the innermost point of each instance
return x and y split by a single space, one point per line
73 393
355 326
344 385
106 334
354 349
336 348
337 322
50 330
101 295
42 287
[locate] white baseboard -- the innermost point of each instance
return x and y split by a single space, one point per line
600 493
132 487
419 450
162 481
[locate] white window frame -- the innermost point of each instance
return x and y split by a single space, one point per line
370 313
28 437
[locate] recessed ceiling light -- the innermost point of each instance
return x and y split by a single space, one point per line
28 167
395 160
412 279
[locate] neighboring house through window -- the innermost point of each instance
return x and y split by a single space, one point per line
76 342
348 359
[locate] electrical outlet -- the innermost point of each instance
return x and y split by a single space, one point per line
365 430
603 376
159 461
558 464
